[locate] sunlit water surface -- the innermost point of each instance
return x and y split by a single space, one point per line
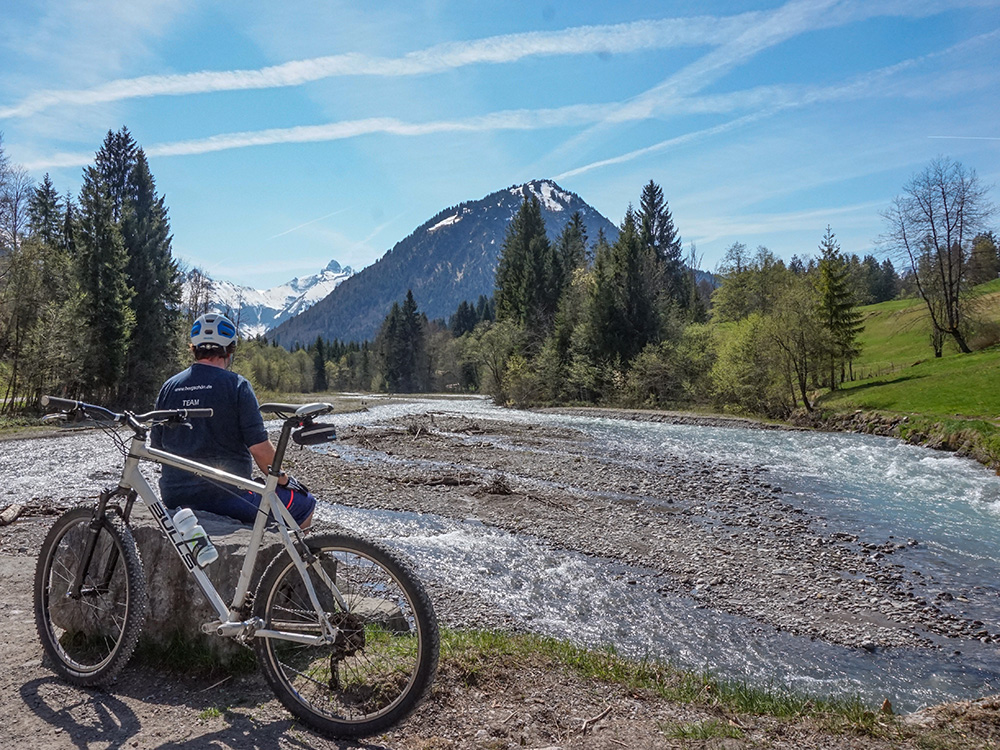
874 487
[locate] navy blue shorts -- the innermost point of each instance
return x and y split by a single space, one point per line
300 504
243 505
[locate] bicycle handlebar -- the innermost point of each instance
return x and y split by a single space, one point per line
156 415
159 414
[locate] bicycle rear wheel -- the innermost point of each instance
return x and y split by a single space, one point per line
383 660
89 634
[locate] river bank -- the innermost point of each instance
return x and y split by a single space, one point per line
721 536
719 533
976 439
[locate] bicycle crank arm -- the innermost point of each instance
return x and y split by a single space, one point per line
232 629
284 635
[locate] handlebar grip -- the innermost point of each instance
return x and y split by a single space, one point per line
60 403
196 413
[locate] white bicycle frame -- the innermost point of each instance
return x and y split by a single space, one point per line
228 623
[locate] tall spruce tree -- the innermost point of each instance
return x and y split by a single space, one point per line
837 308
319 366
624 316
658 233
527 280
70 226
402 365
464 319
45 218
571 250
140 217
107 312
114 163
888 282
153 275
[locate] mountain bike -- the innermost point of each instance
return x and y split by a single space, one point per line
344 632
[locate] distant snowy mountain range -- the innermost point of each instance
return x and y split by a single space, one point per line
257 311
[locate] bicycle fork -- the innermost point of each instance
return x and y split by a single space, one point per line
77 590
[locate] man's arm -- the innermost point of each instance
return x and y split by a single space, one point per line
263 456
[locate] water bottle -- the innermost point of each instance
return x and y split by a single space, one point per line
202 549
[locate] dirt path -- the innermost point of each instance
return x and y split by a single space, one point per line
517 477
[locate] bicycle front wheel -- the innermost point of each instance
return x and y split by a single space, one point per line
90 632
384 657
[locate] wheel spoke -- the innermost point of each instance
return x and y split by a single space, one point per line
90 637
384 653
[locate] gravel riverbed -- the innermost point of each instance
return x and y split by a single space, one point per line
721 534
724 536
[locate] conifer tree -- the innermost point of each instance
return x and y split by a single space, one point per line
888 282
464 320
623 309
402 364
571 250
658 233
44 216
153 275
485 310
101 267
319 366
527 280
140 217
114 162
837 308
70 226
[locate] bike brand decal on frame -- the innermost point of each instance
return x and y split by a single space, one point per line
167 525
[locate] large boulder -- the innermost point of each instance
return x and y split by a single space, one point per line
177 607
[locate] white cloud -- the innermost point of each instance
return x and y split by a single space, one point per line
663 145
967 137
714 228
80 40
765 101
786 22
611 39
504 120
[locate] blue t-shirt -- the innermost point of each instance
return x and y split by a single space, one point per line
221 441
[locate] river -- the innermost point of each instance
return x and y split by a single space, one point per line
943 511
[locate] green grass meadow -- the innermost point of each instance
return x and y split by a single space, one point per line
950 402
897 370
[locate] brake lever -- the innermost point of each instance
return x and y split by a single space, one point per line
173 422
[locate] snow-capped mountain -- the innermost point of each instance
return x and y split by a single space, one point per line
448 259
257 311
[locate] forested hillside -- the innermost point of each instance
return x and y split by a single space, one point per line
91 305
628 322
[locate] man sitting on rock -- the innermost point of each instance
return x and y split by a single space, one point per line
232 440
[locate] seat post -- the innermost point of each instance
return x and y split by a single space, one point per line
279 449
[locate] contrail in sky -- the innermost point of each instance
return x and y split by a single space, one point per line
599 40
968 137
312 221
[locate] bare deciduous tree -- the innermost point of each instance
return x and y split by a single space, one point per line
15 193
932 226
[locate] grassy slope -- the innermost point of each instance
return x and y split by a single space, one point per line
899 372
951 402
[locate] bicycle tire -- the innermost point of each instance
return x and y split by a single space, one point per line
90 638
384 660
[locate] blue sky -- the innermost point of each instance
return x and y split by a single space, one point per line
284 135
